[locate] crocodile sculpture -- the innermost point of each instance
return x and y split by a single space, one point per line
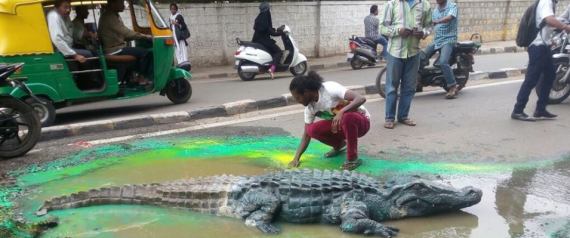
354 201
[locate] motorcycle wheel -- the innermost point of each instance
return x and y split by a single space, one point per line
356 64
381 83
462 79
560 91
20 127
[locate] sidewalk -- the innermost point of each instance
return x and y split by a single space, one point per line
216 72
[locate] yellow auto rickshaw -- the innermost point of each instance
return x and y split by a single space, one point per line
60 81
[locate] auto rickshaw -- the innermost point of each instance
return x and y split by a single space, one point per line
59 82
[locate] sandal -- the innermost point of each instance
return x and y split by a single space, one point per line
351 165
334 152
389 125
408 122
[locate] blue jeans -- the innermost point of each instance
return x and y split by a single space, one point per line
402 72
444 57
382 41
540 62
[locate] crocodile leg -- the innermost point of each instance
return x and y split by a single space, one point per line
355 219
258 208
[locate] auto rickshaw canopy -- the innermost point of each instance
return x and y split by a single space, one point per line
25 31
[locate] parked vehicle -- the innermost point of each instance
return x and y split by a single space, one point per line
20 127
362 52
462 60
60 82
252 59
561 59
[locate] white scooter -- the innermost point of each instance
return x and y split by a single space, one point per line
252 58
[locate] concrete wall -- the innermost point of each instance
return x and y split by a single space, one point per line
322 28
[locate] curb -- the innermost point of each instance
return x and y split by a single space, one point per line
225 110
483 51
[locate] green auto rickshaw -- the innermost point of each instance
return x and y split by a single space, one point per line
61 82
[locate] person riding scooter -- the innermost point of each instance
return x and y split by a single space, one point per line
263 31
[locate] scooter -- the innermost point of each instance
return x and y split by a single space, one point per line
461 61
252 59
362 52
20 127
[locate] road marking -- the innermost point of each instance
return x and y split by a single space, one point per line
191 128
255 118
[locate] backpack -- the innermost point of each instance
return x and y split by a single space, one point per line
527 28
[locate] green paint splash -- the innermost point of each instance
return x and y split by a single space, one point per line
118 164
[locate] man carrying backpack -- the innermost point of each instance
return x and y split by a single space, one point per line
540 16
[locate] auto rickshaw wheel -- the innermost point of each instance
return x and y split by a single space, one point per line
178 91
44 109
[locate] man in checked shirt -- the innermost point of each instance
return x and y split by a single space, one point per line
405 22
444 19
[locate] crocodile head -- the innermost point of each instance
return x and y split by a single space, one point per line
420 198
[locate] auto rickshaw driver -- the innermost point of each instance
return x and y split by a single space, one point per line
114 34
61 32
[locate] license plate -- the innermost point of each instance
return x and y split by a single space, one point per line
349 56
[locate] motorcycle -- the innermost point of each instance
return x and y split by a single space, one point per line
461 62
561 59
20 127
252 58
362 52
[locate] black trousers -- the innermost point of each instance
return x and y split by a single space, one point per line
540 63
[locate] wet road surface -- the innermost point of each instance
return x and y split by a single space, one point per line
521 167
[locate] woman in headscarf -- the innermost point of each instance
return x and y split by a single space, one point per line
263 31
180 32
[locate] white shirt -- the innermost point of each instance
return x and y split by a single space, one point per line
331 100
60 32
544 9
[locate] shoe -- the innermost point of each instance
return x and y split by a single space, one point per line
272 71
334 152
544 115
351 165
407 122
452 93
389 125
521 117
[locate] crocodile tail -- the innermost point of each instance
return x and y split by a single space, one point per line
129 194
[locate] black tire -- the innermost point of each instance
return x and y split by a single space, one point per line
461 79
381 83
560 91
15 114
245 76
44 109
356 64
178 91
299 69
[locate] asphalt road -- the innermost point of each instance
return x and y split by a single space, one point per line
473 134
477 122
216 92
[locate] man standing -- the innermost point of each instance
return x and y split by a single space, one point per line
444 19
371 25
540 63
405 22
